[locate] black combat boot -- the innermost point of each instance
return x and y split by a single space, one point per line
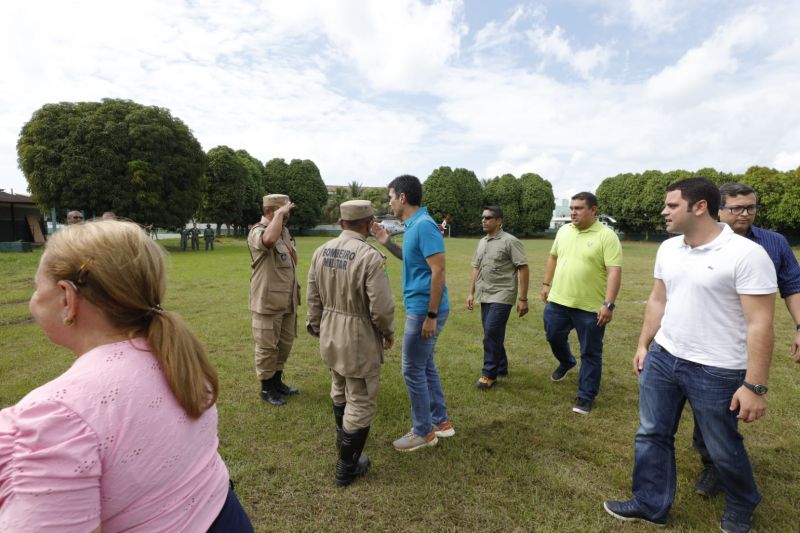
351 463
269 394
338 414
282 387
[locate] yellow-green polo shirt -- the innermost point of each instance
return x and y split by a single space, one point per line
581 270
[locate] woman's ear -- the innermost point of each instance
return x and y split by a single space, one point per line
71 301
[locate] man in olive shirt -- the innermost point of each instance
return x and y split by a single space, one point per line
498 266
274 296
584 269
351 310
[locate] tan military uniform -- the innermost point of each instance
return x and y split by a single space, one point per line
350 307
274 297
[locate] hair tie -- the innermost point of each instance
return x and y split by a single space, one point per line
156 309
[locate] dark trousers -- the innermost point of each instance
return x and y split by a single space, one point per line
494 317
558 322
232 518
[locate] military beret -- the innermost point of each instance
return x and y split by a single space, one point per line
275 200
356 209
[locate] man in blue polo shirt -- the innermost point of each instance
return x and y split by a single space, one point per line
738 210
425 298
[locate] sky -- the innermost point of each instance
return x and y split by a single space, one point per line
573 90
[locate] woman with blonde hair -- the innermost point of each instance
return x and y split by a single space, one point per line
126 438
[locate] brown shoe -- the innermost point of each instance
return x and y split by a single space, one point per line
485 383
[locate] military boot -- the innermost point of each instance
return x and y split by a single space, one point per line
338 413
351 463
270 394
282 387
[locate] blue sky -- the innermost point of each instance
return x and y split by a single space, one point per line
574 90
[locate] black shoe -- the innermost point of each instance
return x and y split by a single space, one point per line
629 511
270 395
582 406
338 414
352 463
735 523
282 387
560 373
707 483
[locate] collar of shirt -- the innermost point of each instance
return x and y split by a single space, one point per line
725 235
416 216
350 234
597 226
497 235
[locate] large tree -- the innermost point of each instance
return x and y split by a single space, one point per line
226 185
115 155
537 203
505 191
456 194
301 180
253 191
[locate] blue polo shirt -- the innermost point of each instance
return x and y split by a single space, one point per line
421 239
780 252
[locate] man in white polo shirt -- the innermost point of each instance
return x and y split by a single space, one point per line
709 317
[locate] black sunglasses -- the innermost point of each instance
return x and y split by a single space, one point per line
487 217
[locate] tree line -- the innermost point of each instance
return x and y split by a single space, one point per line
635 200
146 165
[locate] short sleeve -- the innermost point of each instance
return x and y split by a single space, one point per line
430 239
788 270
254 238
517 252
476 259
49 470
755 273
554 248
612 250
657 271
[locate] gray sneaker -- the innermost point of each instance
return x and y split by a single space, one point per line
411 441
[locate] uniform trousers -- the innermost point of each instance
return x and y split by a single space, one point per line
361 397
274 335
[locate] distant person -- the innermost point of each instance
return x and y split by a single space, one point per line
498 266
184 233
427 308
74 217
109 215
274 296
126 438
351 310
738 210
195 233
443 226
706 340
208 237
584 269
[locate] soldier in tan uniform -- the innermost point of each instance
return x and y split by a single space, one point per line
274 296
351 310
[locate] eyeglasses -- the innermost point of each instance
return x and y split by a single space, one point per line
739 209
484 217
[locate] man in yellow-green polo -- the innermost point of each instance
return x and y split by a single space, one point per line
581 282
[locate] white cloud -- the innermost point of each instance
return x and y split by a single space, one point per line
693 76
654 15
555 45
787 161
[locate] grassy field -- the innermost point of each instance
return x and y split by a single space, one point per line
520 460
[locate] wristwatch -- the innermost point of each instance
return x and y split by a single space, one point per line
761 390
431 314
610 305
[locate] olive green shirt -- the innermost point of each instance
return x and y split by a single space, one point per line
497 259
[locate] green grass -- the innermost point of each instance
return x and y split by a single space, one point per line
520 460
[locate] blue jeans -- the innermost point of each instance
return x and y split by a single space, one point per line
494 317
422 378
665 384
559 320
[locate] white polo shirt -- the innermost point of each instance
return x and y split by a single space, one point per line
703 319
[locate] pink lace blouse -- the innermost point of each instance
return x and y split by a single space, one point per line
106 444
